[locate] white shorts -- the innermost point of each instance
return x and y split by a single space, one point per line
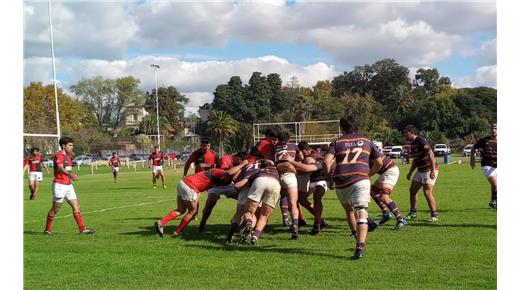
489 171
62 192
265 189
227 190
389 177
424 177
314 184
185 192
115 169
242 195
288 180
303 182
157 169
357 194
35 175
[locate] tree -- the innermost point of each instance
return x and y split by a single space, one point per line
171 107
127 91
98 94
220 126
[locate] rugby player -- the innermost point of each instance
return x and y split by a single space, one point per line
352 152
426 175
34 163
114 162
156 161
62 188
488 162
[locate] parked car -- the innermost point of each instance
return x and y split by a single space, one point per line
136 157
386 150
396 152
48 162
441 149
82 160
467 150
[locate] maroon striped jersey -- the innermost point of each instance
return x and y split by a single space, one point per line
387 164
269 171
319 174
291 149
419 151
352 153
488 149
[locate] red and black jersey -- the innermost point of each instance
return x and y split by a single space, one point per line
157 158
352 153
204 180
488 151
34 162
114 161
420 152
66 161
262 150
203 160
226 162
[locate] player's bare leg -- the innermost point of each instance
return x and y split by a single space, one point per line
235 222
351 221
493 182
154 180
33 187
79 219
428 193
249 216
208 208
181 208
414 199
317 197
265 213
56 206
292 194
191 207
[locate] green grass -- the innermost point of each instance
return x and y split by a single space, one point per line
458 252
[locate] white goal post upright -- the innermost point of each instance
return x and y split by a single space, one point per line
314 132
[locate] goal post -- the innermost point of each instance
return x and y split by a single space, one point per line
314 132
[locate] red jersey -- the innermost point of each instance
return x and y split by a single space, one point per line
34 162
226 162
204 180
114 161
262 150
203 161
66 161
157 158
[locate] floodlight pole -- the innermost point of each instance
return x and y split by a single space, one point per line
155 68
54 77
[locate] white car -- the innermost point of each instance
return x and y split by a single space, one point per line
81 160
441 149
467 150
386 150
396 152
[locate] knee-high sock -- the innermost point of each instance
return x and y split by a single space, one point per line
48 225
184 222
395 210
169 216
284 207
79 221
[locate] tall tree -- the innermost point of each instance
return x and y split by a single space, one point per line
171 106
221 126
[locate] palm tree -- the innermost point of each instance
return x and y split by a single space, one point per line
221 125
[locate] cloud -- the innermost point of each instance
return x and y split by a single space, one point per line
485 54
197 99
483 76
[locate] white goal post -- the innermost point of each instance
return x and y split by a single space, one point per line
314 132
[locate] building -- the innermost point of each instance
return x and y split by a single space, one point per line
133 115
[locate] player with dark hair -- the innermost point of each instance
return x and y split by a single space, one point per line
489 153
426 175
34 163
62 188
156 161
114 162
352 153
188 192
204 158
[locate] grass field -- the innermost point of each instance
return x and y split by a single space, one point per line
125 253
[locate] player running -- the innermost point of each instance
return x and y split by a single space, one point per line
188 192
62 188
488 148
114 162
382 189
34 163
426 175
352 152
156 161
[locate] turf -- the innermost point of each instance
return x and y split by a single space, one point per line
125 253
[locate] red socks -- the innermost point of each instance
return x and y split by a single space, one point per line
167 218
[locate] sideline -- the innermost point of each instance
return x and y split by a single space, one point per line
105 209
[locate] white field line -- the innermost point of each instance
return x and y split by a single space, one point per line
105 209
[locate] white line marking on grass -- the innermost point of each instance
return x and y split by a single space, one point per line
105 209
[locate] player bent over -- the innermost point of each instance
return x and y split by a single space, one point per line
62 188
188 191
264 187
114 162
33 162
382 189
156 161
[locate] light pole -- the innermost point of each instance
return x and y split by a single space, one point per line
155 68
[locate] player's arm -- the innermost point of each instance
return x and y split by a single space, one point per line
62 169
191 159
234 170
301 166
46 167
377 165
241 183
412 169
25 166
472 156
432 162
328 160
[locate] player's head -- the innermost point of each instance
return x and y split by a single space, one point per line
34 150
238 158
205 144
305 148
156 149
67 144
283 137
114 154
494 129
272 135
410 132
348 125
309 160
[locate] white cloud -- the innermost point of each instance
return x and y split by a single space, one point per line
483 76
485 54
197 99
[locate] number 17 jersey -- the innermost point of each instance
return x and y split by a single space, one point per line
352 153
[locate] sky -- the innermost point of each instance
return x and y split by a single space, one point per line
199 45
